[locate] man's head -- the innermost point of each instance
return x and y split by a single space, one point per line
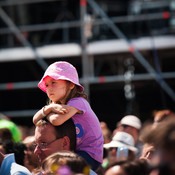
160 115
130 124
31 160
126 167
50 139
163 138
121 147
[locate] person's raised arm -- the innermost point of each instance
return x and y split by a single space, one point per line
56 108
58 119
39 115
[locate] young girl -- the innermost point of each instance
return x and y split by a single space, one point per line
61 83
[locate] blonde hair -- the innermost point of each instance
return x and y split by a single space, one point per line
66 158
76 92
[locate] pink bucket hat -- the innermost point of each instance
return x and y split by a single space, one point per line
60 70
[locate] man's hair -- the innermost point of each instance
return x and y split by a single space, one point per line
65 129
162 135
16 148
75 92
5 134
135 167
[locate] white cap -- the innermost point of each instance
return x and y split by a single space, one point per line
121 139
131 120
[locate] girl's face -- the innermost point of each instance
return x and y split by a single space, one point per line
57 90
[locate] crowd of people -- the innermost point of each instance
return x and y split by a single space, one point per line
69 139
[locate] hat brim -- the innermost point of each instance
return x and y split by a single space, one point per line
115 144
42 86
130 123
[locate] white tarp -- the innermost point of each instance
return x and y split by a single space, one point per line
93 48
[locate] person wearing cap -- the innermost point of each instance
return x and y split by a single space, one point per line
130 124
120 148
67 100
13 128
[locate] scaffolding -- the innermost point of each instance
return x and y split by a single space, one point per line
91 15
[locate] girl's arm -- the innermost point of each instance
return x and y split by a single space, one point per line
56 108
58 119
38 116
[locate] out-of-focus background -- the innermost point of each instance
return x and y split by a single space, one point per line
124 51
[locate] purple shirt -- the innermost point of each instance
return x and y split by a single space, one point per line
88 130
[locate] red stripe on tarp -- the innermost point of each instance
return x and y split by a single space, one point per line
131 48
102 79
10 86
83 2
166 15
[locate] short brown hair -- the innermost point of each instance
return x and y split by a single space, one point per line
65 129
162 135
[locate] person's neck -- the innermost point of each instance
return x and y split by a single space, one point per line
2 156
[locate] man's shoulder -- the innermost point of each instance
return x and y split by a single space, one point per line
9 166
92 172
17 169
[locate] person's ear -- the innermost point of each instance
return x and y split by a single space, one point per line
72 85
66 143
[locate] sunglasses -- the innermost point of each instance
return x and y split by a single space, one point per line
124 126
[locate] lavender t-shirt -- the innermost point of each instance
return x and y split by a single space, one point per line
88 130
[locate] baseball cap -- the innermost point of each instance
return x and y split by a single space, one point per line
131 120
16 133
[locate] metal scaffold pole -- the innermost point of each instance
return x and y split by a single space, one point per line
85 61
21 38
133 50
91 80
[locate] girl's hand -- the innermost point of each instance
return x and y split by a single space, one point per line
59 108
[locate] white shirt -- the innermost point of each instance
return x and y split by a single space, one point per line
92 172
10 167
